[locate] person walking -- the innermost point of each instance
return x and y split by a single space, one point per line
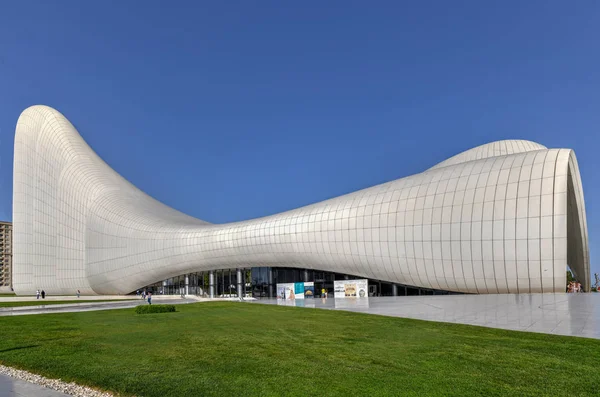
37 294
78 293
43 294
149 298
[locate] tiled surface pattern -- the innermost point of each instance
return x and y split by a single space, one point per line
502 224
560 313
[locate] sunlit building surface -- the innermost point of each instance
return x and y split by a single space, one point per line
505 217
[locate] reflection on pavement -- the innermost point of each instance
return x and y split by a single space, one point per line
561 314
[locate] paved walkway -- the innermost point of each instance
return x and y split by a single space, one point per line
93 306
560 314
86 307
29 298
10 387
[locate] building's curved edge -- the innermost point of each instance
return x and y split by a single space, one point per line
58 178
492 149
578 245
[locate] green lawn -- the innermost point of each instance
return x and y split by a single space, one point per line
45 302
8 295
240 349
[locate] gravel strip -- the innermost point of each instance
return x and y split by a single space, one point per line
54 384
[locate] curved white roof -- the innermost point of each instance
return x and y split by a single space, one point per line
493 149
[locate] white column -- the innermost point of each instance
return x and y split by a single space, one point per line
187 284
211 283
270 278
239 282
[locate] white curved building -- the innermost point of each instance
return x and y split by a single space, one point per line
506 217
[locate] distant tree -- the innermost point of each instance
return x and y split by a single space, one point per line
569 277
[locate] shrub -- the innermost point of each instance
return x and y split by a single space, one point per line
145 309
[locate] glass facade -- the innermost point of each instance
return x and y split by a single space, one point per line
260 282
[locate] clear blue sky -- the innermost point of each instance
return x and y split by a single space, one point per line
233 110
